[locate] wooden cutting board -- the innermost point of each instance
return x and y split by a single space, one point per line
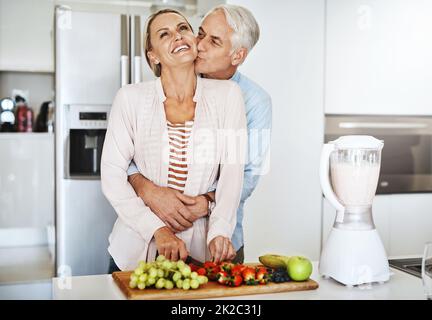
209 290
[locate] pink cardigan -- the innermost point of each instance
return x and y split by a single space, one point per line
137 130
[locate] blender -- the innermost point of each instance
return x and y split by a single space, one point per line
353 253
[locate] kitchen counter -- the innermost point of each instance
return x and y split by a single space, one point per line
400 286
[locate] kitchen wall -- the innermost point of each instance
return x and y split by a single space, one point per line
284 213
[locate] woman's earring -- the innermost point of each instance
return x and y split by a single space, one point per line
156 62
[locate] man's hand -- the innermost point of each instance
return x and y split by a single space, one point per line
221 249
200 208
168 204
169 245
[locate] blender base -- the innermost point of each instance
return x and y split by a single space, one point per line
354 257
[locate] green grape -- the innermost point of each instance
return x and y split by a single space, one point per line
169 284
186 285
186 280
132 284
194 284
186 272
166 264
143 277
151 281
166 273
179 283
202 279
176 276
160 283
153 272
194 275
141 286
160 273
161 258
142 265
180 264
139 271
134 277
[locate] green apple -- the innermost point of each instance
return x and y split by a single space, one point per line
299 268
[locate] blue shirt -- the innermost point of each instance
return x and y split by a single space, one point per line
259 120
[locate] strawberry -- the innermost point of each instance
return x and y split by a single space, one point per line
249 276
261 269
202 272
222 277
235 281
237 269
209 264
212 275
211 269
226 266
262 276
193 267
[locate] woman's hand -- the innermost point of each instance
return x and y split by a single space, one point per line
169 245
221 249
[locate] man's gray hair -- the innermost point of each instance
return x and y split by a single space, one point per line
241 20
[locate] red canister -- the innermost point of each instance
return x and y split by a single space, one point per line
24 118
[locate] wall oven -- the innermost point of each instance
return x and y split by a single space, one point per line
406 164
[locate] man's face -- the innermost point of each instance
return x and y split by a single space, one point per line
214 47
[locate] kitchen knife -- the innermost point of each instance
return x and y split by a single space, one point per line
189 260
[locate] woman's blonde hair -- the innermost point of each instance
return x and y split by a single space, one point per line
157 68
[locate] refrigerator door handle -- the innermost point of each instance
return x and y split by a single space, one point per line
136 35
124 59
137 69
124 67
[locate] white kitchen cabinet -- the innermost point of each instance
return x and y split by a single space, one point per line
404 222
26 188
410 223
26 35
378 57
283 214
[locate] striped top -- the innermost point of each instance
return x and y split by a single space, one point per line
179 134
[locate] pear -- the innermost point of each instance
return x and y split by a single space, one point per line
274 261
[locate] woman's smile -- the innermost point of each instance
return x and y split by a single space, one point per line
180 48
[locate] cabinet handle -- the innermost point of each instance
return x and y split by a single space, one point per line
382 125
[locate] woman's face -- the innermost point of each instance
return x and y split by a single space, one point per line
172 41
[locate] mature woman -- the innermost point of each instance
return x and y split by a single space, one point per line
182 132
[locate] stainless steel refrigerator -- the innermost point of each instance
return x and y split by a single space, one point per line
96 53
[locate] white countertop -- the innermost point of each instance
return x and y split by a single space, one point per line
400 286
